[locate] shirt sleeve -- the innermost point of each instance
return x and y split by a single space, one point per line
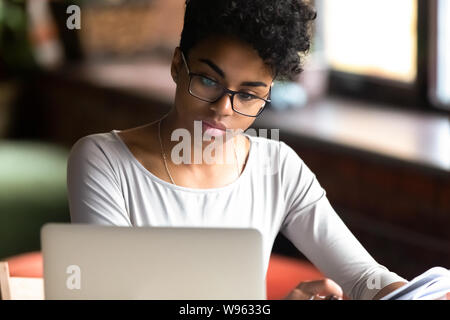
94 194
313 226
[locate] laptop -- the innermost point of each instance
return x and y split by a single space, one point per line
83 261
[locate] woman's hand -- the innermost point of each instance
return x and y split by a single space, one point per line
316 290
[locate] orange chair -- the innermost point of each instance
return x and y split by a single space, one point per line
26 265
284 273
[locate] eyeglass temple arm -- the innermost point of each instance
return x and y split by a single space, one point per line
185 63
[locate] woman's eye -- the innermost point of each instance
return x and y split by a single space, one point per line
245 96
208 82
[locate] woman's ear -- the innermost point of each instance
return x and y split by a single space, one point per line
176 64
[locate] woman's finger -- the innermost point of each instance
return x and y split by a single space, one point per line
297 294
323 288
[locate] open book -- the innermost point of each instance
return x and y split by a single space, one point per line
433 284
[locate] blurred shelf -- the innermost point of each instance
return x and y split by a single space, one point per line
411 137
145 77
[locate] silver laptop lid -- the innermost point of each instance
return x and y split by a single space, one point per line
103 262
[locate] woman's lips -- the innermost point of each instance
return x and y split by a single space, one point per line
216 125
211 130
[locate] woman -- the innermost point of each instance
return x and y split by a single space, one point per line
229 55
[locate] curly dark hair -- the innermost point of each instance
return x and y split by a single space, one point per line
279 30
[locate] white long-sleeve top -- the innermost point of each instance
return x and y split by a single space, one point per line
276 192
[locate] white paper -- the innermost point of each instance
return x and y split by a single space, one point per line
430 285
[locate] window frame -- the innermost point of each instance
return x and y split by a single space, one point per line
433 63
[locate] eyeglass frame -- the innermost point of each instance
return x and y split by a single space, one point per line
225 90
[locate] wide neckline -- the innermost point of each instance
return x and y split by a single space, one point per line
243 175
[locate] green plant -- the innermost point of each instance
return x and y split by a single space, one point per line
16 57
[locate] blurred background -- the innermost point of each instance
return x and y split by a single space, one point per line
369 114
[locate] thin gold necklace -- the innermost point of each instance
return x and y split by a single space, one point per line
165 160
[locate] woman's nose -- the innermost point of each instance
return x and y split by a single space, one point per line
223 105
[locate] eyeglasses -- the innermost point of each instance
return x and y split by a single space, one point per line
209 90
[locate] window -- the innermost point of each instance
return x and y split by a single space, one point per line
382 50
372 37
